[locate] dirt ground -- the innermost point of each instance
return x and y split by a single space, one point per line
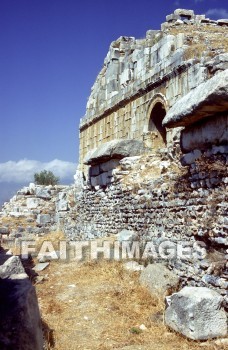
99 305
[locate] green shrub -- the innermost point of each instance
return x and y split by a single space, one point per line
46 178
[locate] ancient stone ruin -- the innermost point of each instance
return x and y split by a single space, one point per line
154 146
153 161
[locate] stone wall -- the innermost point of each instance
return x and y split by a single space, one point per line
168 91
138 74
161 200
35 210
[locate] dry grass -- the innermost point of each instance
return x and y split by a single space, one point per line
99 305
13 222
54 237
202 38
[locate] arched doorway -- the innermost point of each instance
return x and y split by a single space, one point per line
155 128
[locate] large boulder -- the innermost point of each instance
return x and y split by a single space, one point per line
116 149
197 313
158 279
20 321
205 100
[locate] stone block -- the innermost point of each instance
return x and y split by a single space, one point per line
222 22
62 205
20 321
109 165
43 192
95 181
94 170
32 188
172 18
127 235
4 230
10 265
205 134
32 203
104 179
206 100
184 12
116 149
159 279
43 219
190 158
197 313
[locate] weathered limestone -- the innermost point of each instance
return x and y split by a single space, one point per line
155 197
127 235
106 157
43 193
43 219
158 279
32 203
212 131
10 265
197 313
42 209
170 74
207 99
142 79
116 149
218 63
20 321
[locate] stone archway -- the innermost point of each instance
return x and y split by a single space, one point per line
155 127
154 134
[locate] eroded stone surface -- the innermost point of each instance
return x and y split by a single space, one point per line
115 149
158 279
20 321
205 100
196 313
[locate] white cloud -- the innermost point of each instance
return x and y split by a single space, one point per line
23 170
217 13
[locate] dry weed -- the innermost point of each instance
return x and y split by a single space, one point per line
99 305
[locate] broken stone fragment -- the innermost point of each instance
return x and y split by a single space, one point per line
158 279
10 265
20 321
205 100
117 149
127 235
197 313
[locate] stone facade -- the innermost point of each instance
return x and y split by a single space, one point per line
162 201
143 78
169 91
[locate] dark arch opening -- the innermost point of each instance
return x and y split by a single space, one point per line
156 117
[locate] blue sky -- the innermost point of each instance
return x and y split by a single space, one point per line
50 54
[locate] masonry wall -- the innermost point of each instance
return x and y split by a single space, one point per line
164 66
131 120
180 204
